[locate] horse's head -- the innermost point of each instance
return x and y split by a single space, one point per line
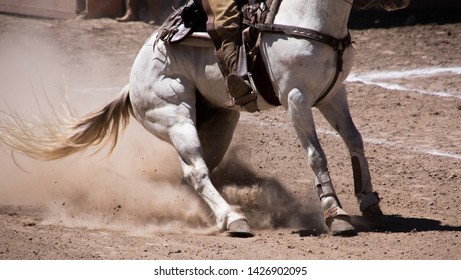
388 5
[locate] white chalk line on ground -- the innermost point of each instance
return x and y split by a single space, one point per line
405 146
381 79
376 141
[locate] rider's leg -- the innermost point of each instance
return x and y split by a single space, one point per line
227 27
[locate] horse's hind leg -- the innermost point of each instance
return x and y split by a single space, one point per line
301 115
336 111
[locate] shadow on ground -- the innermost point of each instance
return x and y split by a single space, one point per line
387 224
396 223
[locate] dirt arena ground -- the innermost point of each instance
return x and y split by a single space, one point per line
405 97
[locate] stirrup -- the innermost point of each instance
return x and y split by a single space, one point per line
242 92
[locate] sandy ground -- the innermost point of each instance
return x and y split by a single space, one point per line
131 206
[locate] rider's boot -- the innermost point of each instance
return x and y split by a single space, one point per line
368 200
239 89
335 217
224 26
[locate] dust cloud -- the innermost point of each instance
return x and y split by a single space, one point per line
138 186
266 201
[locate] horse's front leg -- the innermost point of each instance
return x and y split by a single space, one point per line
336 110
300 112
175 124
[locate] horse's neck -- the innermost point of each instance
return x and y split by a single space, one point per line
325 16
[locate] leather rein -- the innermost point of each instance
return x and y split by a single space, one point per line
338 45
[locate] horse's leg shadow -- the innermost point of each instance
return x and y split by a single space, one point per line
396 223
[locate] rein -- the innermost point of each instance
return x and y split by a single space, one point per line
338 45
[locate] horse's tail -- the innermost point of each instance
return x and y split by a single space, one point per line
72 135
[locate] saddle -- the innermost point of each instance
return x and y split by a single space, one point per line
191 19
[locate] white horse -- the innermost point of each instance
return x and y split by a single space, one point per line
177 93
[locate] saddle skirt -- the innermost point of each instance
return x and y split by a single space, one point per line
189 22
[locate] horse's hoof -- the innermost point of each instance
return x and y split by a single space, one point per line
340 226
339 222
369 205
240 228
373 211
